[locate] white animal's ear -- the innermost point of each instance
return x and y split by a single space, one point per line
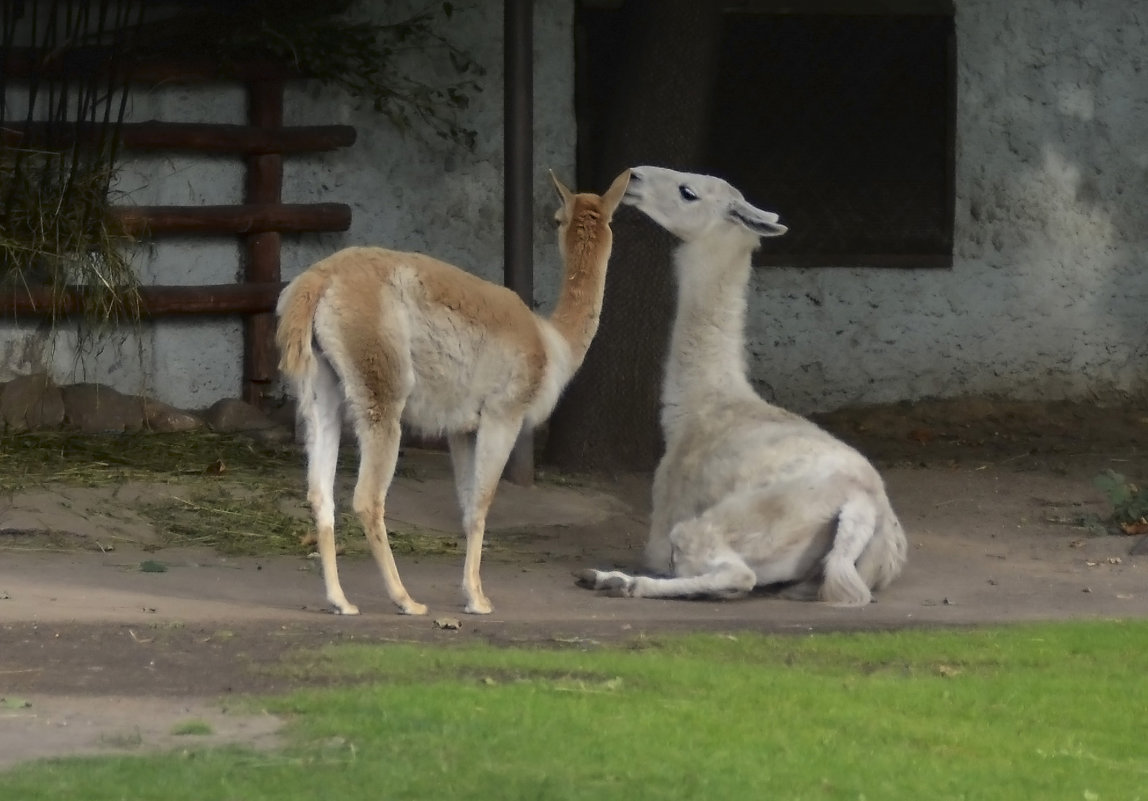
614 194
762 223
564 193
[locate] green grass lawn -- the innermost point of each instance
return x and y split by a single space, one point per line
1033 712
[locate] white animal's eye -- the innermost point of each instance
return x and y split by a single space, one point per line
687 193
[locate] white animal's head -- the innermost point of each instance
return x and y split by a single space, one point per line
693 207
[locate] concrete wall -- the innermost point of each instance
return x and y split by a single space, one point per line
1047 297
1049 288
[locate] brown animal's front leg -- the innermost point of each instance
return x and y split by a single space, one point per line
493 444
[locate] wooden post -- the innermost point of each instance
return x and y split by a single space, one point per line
264 185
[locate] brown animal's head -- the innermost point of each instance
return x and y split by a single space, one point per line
585 218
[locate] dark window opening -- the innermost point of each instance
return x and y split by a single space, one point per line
841 121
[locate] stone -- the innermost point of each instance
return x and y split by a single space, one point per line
231 414
272 437
283 413
96 409
164 419
31 402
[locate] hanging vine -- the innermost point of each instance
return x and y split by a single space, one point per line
59 133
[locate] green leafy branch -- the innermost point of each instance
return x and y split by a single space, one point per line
326 42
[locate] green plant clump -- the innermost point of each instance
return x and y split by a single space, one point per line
1129 503
62 118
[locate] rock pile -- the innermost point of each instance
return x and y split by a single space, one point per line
36 403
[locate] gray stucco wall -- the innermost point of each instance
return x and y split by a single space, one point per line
405 194
1046 298
1047 295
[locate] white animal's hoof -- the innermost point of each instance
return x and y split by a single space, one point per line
617 587
480 606
412 608
613 584
586 578
345 609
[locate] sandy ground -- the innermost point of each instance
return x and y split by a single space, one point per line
98 656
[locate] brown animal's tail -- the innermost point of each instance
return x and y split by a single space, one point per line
296 311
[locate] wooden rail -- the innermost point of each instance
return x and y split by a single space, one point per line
24 63
194 136
155 301
246 218
259 220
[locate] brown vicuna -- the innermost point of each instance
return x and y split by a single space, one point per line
394 338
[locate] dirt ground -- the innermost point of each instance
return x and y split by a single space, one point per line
97 655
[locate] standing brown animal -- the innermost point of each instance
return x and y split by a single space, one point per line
394 338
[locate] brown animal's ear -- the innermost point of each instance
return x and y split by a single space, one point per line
614 194
564 193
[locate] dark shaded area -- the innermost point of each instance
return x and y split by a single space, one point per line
840 123
643 98
1053 436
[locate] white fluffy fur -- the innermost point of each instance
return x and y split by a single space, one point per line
391 338
747 494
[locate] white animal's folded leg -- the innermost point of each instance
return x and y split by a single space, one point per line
728 578
884 556
609 582
706 569
703 566
781 532
731 579
856 524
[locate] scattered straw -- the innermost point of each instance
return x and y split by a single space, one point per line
256 505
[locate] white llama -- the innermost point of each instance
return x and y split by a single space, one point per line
402 337
747 494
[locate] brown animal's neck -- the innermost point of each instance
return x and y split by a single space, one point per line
588 244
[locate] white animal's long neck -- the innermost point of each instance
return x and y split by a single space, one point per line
706 362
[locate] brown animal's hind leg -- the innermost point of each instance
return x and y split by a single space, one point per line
321 418
379 452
